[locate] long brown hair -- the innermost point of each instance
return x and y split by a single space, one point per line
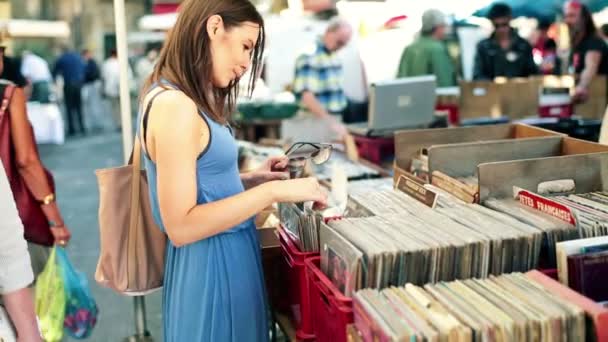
185 59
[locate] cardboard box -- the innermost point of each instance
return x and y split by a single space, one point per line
479 99
595 105
519 97
514 98
463 160
588 171
410 142
267 234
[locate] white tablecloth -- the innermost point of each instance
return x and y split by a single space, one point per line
47 122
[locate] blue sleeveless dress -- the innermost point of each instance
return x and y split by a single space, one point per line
214 288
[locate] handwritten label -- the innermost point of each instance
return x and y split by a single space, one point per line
546 206
416 189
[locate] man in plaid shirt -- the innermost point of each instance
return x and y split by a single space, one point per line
318 77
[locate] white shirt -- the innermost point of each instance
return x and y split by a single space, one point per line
110 73
35 68
15 265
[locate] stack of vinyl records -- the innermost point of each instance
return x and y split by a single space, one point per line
554 230
505 308
583 265
463 188
408 242
302 224
591 212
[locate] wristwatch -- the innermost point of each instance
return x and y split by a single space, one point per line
48 199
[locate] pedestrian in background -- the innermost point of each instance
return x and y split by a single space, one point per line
145 67
110 74
38 74
71 68
15 269
589 53
428 55
318 86
91 94
23 161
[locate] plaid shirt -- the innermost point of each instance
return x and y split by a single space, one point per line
320 72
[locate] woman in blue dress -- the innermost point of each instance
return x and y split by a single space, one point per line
213 288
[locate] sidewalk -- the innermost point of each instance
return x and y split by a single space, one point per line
73 166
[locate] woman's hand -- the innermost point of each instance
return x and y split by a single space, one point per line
299 190
274 168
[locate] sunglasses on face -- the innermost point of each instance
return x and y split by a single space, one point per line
501 25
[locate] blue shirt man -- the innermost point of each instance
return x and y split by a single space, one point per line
71 67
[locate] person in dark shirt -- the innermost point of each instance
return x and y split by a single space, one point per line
91 71
72 68
544 49
10 71
604 32
505 53
589 55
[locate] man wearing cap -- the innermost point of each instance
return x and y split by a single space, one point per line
589 55
505 53
428 54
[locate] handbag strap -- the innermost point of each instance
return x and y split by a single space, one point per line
6 99
134 218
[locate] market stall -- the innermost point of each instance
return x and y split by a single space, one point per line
331 263
395 258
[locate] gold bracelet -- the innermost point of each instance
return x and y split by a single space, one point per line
48 199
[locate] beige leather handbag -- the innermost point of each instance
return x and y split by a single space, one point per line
132 247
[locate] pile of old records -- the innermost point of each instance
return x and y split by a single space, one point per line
554 230
504 308
302 224
407 242
591 211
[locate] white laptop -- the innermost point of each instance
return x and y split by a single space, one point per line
398 104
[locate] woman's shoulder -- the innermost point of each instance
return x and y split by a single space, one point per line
171 108
168 96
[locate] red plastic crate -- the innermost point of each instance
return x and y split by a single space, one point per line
550 272
375 149
332 311
297 287
453 113
557 111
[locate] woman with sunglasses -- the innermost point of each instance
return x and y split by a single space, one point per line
27 161
213 286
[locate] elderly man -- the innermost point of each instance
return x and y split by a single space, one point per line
318 77
428 54
589 55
